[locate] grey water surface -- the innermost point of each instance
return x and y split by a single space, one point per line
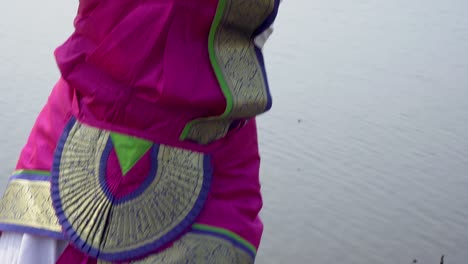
365 152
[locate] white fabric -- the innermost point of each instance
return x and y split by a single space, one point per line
261 39
18 248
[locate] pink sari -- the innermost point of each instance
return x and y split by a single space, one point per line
146 150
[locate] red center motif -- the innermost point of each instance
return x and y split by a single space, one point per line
122 185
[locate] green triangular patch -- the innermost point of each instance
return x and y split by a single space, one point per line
129 150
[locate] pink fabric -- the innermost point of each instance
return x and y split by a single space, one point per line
132 57
234 201
39 150
72 256
121 186
142 68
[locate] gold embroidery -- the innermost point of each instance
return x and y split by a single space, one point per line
28 203
115 227
165 204
198 249
237 57
209 130
240 69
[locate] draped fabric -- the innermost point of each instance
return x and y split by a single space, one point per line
154 115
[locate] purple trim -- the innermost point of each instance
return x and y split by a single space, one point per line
234 124
261 61
56 199
265 25
54 180
81 245
102 170
31 177
27 229
225 237
146 183
269 20
177 230
31 230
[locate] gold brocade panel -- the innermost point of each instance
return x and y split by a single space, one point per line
27 203
236 63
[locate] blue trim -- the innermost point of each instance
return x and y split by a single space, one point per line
30 177
269 20
31 230
55 174
177 230
144 185
265 25
81 245
225 237
102 170
261 61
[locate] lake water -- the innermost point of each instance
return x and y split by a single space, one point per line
365 152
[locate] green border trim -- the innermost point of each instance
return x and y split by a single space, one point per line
202 227
217 69
34 172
